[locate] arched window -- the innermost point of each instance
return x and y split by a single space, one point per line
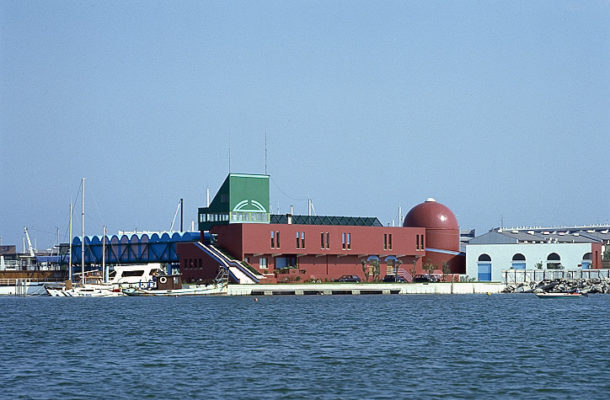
586 261
518 261
484 267
553 261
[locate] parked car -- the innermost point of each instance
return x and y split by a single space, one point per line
426 278
394 278
422 278
348 278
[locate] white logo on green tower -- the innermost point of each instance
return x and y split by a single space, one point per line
249 206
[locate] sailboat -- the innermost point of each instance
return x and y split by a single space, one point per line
91 284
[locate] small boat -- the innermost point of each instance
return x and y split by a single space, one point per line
196 290
86 290
171 285
559 295
93 285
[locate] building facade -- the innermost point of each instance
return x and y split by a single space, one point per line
489 256
301 248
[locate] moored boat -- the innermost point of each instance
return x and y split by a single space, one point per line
559 295
28 282
141 276
86 290
171 285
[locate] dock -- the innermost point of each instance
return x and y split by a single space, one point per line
332 289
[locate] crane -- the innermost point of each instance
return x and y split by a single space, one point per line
179 208
30 248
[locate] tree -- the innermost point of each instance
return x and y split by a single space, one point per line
397 264
446 270
376 270
413 269
430 268
365 270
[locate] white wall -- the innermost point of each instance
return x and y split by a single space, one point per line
502 255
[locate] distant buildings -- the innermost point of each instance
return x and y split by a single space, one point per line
498 250
237 231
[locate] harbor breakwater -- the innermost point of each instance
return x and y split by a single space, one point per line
561 285
366 288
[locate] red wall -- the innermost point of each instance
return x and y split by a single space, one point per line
195 265
456 262
241 239
253 241
596 255
444 239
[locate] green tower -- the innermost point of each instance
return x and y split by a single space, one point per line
242 198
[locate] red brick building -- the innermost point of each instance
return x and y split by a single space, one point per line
286 248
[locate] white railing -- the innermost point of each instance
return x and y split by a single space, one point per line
537 275
14 281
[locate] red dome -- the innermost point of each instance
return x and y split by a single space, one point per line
432 215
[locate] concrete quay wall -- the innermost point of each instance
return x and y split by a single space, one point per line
365 288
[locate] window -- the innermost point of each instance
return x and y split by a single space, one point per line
324 240
390 241
346 241
419 242
553 261
302 240
484 267
272 239
518 261
298 242
385 241
134 273
484 257
586 261
277 238
262 262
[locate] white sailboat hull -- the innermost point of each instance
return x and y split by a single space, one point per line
87 291
23 289
189 291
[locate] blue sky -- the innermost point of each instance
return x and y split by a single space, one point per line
498 109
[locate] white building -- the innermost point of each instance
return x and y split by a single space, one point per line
498 250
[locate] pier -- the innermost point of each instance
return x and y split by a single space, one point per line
333 289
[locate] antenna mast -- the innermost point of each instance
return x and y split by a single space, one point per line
265 151
82 243
104 269
229 153
70 249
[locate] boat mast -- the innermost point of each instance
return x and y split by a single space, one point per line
70 251
82 226
104 256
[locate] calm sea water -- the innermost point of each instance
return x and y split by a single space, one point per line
320 347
